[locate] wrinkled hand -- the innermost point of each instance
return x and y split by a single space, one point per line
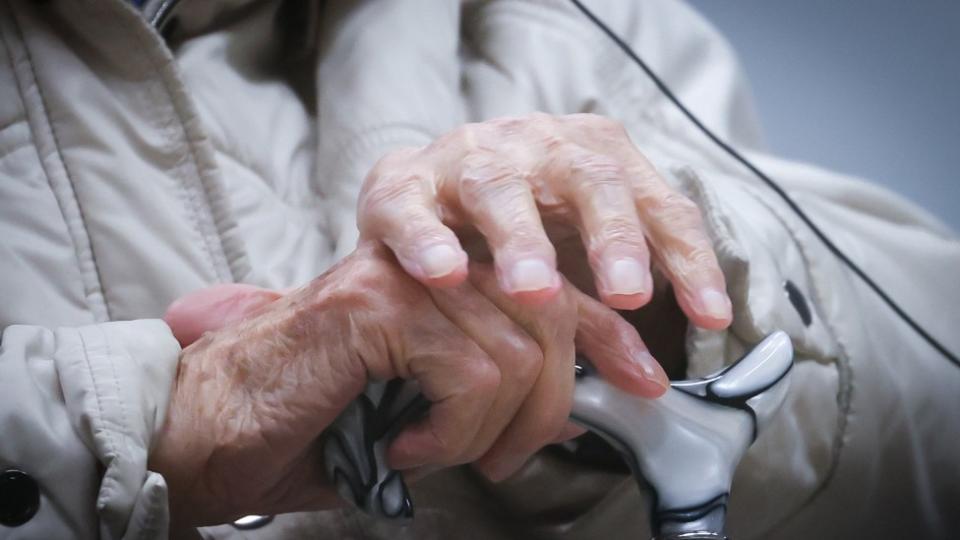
270 373
514 180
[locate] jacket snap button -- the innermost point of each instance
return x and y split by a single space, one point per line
19 498
799 302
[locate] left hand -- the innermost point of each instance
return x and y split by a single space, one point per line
516 179
529 350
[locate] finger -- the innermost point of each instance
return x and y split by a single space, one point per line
461 383
674 226
498 200
596 185
684 252
544 412
397 206
210 309
614 347
517 356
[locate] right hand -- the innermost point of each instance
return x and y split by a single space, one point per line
252 397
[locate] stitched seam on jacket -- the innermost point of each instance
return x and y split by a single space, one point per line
166 124
190 191
124 417
97 423
125 438
212 228
78 235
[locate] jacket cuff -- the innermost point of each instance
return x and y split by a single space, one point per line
116 380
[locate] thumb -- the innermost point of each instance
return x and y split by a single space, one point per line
615 348
212 308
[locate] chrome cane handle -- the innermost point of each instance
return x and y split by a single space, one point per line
355 448
684 446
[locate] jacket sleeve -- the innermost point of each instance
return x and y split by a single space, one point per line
80 409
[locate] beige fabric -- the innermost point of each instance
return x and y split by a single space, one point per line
132 172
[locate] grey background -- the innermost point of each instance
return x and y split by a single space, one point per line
866 87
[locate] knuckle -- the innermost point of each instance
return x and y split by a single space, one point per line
687 260
700 257
481 177
462 138
511 124
644 175
483 376
367 269
419 229
554 143
528 238
592 171
565 306
365 283
527 360
397 210
678 211
386 191
619 230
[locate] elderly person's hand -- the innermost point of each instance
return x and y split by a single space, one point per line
517 179
252 397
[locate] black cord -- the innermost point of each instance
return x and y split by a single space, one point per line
833 248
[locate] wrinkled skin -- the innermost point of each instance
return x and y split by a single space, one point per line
492 346
532 183
270 372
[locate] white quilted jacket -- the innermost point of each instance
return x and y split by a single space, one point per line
134 169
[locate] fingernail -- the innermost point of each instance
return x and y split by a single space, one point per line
651 369
626 276
439 260
530 275
715 304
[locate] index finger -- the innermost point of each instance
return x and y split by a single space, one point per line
397 207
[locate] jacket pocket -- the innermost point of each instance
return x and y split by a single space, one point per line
771 287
